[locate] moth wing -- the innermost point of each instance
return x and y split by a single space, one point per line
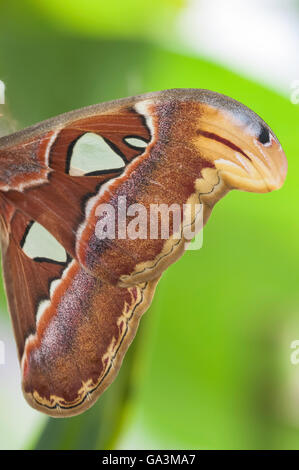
26 281
72 330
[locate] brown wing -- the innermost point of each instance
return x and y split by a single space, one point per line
72 330
47 192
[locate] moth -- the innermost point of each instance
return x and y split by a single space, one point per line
75 308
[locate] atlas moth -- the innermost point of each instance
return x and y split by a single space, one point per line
75 299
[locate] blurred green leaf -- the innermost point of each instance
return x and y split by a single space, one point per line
212 369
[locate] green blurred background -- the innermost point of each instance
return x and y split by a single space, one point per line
210 366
